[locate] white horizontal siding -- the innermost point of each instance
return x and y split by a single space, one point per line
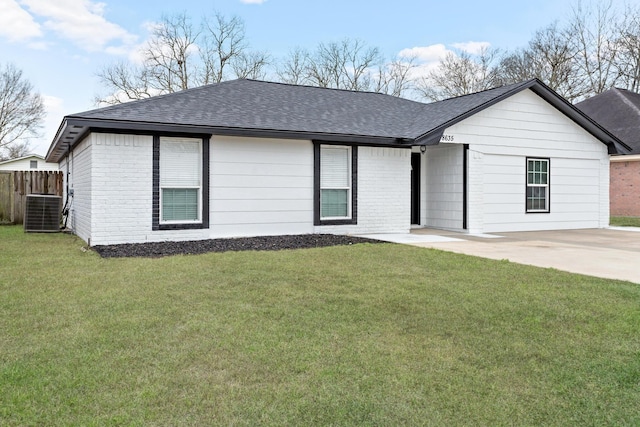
260 186
501 137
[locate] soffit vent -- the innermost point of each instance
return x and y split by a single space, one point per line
42 213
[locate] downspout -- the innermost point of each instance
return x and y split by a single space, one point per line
66 211
465 186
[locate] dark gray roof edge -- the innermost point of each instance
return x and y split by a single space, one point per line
220 130
135 127
614 145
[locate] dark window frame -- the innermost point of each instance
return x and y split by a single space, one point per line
316 186
526 184
155 215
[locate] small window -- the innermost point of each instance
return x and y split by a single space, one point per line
335 182
538 185
33 164
180 180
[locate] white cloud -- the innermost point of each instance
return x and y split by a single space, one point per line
253 1
427 58
474 48
16 24
432 53
80 21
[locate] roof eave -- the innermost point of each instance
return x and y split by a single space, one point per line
432 137
614 145
73 129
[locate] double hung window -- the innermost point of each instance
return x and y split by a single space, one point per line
335 184
180 194
537 185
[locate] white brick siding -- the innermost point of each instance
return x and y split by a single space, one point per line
384 193
79 163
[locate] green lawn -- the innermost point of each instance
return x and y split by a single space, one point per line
354 335
625 221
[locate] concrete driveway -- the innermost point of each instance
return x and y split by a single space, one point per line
611 253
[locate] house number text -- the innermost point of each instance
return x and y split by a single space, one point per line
446 138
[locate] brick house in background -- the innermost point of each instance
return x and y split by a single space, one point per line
618 110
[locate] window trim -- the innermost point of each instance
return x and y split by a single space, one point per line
33 164
547 186
353 219
203 222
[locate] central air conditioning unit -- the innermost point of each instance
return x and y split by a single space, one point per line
42 213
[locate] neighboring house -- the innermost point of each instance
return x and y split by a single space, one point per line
619 111
32 162
248 158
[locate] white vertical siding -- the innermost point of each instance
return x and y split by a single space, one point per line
501 137
444 186
260 186
384 193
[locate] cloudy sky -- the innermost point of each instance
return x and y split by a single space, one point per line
60 45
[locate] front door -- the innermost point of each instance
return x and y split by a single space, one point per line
415 188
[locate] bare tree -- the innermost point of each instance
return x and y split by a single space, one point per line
180 55
348 64
593 32
628 59
225 48
394 78
168 55
342 65
293 70
21 111
251 65
15 150
460 74
126 82
550 56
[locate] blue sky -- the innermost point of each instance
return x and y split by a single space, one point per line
61 44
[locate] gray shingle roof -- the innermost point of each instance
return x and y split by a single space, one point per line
258 108
250 104
619 111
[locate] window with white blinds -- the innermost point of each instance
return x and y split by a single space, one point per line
335 182
180 179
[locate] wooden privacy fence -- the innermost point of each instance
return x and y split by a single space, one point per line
15 185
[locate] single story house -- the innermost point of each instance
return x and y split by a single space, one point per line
31 162
619 111
248 158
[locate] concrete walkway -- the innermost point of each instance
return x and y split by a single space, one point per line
611 253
